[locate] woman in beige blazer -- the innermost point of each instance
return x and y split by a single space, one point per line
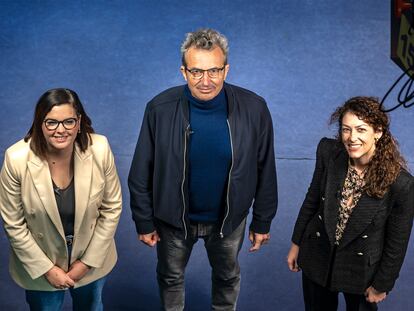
60 203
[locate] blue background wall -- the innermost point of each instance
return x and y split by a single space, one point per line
304 57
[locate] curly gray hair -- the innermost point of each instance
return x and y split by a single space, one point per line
206 39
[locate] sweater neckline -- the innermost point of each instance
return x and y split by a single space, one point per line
206 104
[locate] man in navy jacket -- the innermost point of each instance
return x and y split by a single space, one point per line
204 157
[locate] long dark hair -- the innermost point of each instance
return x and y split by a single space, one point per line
387 161
50 99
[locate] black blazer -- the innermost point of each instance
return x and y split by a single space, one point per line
375 240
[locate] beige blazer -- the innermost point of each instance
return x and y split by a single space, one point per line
32 221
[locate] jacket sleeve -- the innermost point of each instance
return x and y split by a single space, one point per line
265 202
34 260
397 235
312 200
109 214
141 176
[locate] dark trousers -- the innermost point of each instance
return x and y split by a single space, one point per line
319 298
174 252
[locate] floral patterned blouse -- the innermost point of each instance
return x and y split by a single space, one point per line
352 190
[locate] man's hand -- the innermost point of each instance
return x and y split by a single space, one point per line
58 278
292 258
77 270
150 239
372 295
258 239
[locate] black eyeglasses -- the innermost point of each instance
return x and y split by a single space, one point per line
52 124
197 73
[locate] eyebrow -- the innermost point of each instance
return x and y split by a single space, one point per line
358 126
196 68
53 119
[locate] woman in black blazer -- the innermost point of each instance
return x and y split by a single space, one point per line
353 228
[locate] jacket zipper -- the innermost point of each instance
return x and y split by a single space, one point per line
228 181
187 132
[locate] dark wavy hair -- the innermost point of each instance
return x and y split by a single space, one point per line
50 99
387 161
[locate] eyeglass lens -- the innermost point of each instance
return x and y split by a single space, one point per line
68 124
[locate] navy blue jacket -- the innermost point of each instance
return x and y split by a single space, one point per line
159 172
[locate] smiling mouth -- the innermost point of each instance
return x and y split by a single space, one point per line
60 138
205 90
353 147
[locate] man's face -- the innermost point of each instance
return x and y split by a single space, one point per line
210 83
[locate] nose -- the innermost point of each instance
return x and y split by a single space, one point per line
205 80
60 128
353 136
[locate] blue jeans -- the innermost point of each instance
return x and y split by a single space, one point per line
174 252
85 298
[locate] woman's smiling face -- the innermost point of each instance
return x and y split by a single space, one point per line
359 138
63 137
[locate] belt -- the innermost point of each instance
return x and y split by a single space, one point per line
69 240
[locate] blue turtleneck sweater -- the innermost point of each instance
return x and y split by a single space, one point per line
209 157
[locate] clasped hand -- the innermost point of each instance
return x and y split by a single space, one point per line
60 279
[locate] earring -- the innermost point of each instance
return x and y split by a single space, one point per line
376 140
79 131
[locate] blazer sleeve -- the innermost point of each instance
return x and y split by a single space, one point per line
141 176
312 199
397 235
109 214
32 257
265 202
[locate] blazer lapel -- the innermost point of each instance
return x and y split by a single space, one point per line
361 218
42 181
337 169
83 179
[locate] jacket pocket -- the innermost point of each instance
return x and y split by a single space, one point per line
374 258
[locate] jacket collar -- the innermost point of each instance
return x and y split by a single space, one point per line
337 168
230 97
362 214
83 181
42 181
